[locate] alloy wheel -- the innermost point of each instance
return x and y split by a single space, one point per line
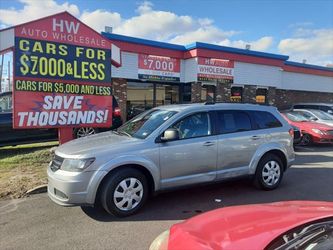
306 140
82 132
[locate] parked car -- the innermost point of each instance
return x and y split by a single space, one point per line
10 136
326 107
312 132
116 123
316 116
168 147
273 226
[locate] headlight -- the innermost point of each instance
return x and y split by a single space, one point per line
161 242
76 165
318 131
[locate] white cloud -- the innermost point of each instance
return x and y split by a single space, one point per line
98 19
314 45
209 34
34 10
261 44
153 24
147 23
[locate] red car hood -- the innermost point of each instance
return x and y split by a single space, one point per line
310 125
245 227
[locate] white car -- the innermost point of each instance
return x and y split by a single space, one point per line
316 115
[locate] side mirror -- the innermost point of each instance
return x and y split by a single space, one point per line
314 119
170 134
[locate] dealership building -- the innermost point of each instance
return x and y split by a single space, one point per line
70 58
155 73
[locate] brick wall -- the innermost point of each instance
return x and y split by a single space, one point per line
119 91
223 92
196 92
271 96
285 98
249 94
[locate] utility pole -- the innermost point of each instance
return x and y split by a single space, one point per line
9 87
1 69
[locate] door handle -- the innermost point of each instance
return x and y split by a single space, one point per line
209 143
256 137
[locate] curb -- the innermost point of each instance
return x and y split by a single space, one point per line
38 190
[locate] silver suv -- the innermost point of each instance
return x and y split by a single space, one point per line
171 146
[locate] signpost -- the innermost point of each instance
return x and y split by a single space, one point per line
158 68
211 69
62 75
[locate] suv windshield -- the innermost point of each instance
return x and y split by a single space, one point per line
144 124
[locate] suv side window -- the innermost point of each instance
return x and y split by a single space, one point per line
192 126
265 120
232 121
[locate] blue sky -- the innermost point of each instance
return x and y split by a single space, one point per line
302 29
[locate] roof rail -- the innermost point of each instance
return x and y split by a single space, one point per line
209 103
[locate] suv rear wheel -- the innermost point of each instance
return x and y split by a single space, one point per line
124 192
269 172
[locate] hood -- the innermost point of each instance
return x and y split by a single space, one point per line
311 125
95 144
327 122
239 227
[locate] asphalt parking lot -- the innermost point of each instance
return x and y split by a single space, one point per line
37 223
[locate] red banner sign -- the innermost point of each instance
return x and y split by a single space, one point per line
62 75
210 69
158 68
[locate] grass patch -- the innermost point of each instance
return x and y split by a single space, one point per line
23 167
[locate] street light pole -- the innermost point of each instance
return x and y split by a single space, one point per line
9 87
1 69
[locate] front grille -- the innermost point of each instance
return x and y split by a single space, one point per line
56 163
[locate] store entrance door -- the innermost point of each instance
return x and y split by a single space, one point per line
208 93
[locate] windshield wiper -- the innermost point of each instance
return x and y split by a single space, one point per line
123 133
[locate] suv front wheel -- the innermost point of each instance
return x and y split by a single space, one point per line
124 192
269 172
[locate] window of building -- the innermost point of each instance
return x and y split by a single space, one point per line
236 94
261 95
208 93
231 121
143 96
265 120
166 94
140 97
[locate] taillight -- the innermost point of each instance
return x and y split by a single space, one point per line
291 132
117 112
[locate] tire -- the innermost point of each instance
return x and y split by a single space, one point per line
306 140
124 182
83 132
264 179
